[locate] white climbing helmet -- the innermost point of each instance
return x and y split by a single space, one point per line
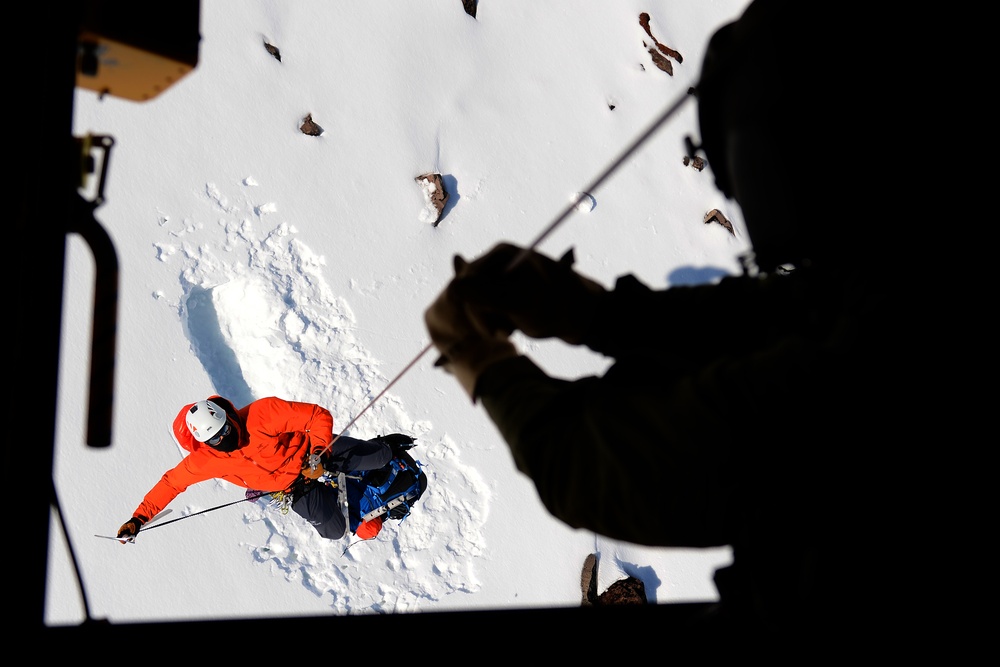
205 420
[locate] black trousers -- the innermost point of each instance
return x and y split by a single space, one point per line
319 504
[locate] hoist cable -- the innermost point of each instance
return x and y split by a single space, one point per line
586 192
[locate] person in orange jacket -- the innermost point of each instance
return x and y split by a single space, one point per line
268 446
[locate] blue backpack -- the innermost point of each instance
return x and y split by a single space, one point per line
389 492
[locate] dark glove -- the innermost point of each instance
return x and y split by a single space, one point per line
397 442
541 297
131 528
468 345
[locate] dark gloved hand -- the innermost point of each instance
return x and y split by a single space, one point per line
541 297
468 346
312 467
131 528
397 442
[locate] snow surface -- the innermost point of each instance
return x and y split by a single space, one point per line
256 260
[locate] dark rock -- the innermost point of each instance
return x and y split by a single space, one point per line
659 60
659 52
696 162
310 127
435 195
624 591
715 215
588 581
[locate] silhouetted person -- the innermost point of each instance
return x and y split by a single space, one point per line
753 412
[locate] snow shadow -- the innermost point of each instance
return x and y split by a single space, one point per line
204 333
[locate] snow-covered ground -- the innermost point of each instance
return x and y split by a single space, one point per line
257 260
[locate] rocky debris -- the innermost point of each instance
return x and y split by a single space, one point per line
696 162
661 62
629 590
659 52
624 591
470 7
715 215
435 197
273 50
588 580
310 127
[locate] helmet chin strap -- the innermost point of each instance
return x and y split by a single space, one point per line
231 441
227 445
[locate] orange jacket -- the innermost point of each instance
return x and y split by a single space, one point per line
276 437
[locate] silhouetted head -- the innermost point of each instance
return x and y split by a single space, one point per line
785 133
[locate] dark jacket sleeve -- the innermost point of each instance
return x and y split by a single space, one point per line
691 324
611 456
706 384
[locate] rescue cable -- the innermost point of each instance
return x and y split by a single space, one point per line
586 192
